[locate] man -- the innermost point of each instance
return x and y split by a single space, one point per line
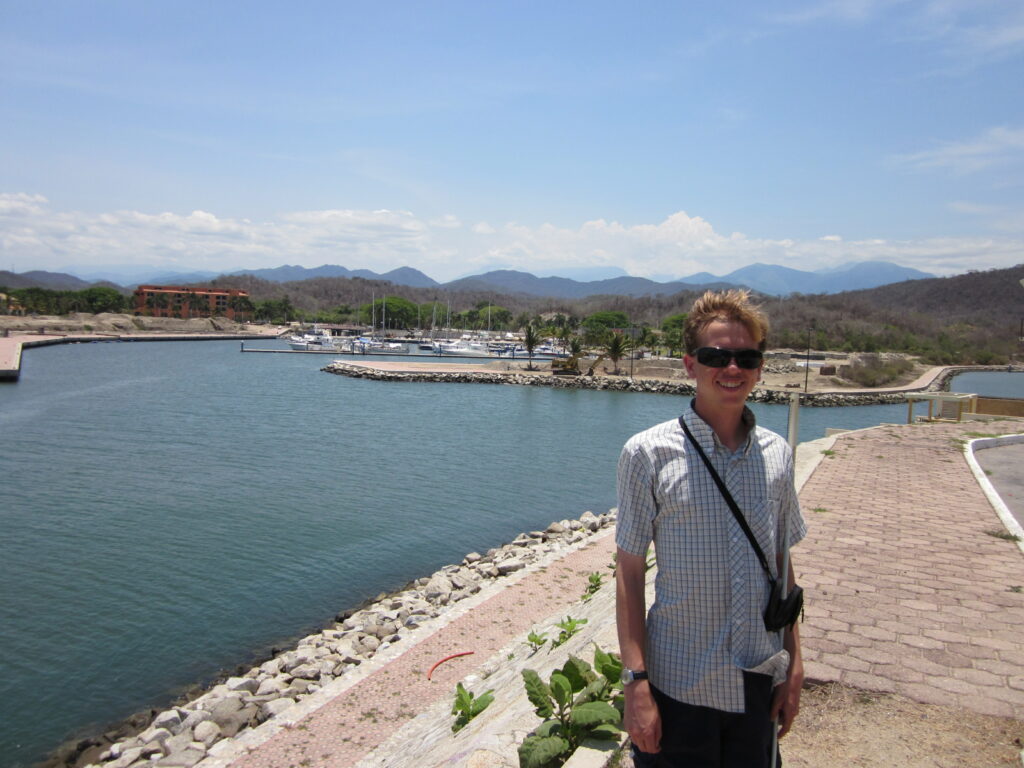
704 679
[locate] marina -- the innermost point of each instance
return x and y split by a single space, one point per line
178 540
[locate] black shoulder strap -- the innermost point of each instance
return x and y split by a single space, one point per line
729 500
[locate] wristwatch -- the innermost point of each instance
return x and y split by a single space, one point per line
632 675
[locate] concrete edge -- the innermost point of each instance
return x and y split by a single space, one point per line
1007 518
227 751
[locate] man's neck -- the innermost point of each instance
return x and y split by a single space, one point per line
728 425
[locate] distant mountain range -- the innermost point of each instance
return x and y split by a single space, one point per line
764 278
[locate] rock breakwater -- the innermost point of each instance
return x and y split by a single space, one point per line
185 735
651 386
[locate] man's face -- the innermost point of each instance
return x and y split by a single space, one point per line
723 388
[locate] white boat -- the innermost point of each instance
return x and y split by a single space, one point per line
462 348
367 346
318 340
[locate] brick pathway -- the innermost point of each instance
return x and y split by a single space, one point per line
908 592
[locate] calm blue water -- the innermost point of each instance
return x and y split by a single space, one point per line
170 509
989 384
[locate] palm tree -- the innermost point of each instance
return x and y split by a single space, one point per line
531 340
616 347
673 339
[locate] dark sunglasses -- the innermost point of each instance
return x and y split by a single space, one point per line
713 357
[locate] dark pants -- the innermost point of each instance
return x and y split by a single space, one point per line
701 737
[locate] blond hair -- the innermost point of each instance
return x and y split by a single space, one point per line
726 306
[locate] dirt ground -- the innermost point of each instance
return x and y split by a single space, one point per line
840 726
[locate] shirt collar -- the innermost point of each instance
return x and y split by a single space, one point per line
706 436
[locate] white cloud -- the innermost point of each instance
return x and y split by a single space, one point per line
997 146
35 236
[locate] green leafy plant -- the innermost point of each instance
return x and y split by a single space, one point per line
594 582
467 706
568 628
577 703
536 641
828 453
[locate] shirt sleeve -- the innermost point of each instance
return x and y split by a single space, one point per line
792 517
634 527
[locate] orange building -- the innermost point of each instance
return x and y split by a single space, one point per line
180 301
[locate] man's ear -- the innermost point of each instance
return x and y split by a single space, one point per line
689 361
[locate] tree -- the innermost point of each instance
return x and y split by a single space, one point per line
616 348
531 340
673 339
674 322
101 298
606 320
393 310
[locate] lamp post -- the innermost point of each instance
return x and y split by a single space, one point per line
632 349
807 363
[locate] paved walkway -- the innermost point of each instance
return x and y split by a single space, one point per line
908 592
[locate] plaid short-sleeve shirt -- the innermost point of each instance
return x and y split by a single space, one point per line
705 626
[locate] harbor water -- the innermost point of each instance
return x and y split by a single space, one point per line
174 509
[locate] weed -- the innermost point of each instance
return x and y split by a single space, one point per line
1016 588
820 509
984 434
828 453
593 584
568 628
1004 535
510 656
467 706
576 704
536 641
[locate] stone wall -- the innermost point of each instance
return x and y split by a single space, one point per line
652 386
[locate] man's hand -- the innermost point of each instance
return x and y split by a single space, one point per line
786 700
642 719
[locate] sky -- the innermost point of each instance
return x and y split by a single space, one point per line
583 139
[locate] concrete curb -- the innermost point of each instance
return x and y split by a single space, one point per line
1009 521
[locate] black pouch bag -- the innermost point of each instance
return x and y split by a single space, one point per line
782 611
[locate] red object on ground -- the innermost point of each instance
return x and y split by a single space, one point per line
446 658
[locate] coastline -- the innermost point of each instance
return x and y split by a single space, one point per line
348 647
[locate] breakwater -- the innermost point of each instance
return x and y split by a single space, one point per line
189 732
650 386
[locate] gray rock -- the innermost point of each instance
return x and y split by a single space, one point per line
170 719
510 566
195 718
235 722
155 736
225 709
276 707
126 758
307 671
439 587
207 732
368 644
179 743
185 759
242 684
273 685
